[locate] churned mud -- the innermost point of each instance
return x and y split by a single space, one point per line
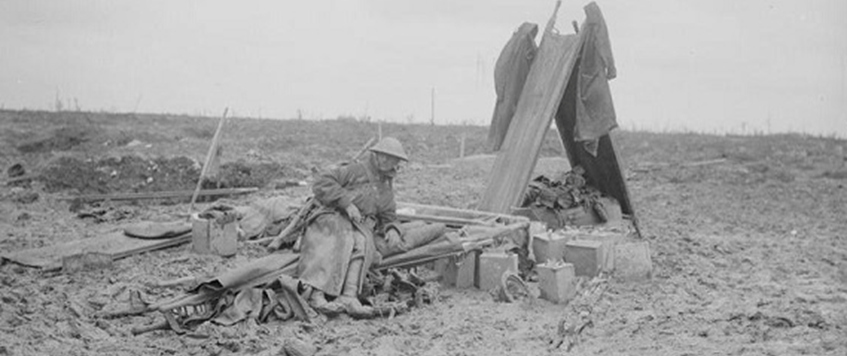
747 237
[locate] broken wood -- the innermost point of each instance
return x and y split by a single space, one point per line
161 195
211 154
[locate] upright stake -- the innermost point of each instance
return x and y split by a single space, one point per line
212 149
462 146
432 107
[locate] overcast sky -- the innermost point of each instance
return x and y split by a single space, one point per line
719 65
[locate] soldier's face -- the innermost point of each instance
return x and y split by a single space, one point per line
387 163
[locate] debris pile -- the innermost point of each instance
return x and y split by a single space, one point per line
568 201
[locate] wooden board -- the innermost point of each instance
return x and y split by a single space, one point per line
539 102
450 216
113 243
161 195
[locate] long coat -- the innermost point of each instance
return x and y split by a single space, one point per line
510 73
331 240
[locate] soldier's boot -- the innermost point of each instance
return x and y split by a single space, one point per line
318 302
349 297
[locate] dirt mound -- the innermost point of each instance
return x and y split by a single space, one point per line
746 236
124 174
242 174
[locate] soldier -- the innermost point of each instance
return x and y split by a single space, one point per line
355 224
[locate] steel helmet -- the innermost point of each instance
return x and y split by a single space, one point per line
390 146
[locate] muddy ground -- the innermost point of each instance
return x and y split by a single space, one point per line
747 236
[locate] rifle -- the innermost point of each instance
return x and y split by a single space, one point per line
299 219
295 224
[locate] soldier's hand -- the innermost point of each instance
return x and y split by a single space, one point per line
395 242
392 236
353 213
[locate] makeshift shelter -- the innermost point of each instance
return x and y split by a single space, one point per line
568 82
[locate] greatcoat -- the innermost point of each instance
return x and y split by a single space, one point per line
331 239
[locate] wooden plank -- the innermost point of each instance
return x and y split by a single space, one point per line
113 243
422 210
30 176
449 221
538 104
162 195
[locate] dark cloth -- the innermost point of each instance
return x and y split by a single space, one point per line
510 74
331 239
595 114
261 288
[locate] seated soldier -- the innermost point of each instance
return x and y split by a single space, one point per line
355 224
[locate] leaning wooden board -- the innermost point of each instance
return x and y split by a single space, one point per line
538 103
114 243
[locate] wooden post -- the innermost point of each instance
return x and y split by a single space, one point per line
432 107
462 146
212 149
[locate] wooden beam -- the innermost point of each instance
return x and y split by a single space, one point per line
162 195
